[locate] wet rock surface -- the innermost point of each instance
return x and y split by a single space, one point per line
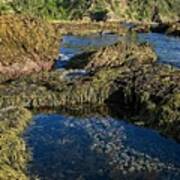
174 30
170 28
115 56
96 147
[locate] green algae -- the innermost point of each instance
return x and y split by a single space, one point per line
122 9
114 56
170 116
13 152
27 44
142 88
86 28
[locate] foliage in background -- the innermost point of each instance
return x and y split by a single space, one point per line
77 9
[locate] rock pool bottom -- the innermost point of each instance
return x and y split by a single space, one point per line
96 147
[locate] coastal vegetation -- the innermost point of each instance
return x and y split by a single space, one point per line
124 75
77 9
13 152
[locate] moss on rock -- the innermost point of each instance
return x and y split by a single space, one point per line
84 28
13 152
174 29
27 45
149 91
114 56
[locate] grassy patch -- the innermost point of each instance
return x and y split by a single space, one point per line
13 152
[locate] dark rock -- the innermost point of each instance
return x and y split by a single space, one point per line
99 15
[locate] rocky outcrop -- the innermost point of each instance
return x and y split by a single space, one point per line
27 45
150 91
174 29
99 15
84 27
169 28
114 56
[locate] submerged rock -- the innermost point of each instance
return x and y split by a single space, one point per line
27 45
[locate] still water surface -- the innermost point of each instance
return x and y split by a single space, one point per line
97 147
166 47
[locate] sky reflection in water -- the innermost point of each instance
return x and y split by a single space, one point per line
96 147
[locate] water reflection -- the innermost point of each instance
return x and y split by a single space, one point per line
73 45
96 147
167 47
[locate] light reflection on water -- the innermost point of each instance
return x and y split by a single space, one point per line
167 47
96 147
74 45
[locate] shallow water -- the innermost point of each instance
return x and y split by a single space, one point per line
96 147
167 47
103 148
73 45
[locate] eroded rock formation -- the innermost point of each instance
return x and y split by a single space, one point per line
27 45
149 90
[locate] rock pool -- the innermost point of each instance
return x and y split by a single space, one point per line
73 45
167 47
102 147
97 147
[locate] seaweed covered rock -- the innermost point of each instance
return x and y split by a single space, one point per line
53 89
27 45
122 75
13 153
170 115
149 91
154 97
84 28
114 56
174 29
169 28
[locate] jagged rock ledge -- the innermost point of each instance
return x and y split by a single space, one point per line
119 76
27 45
